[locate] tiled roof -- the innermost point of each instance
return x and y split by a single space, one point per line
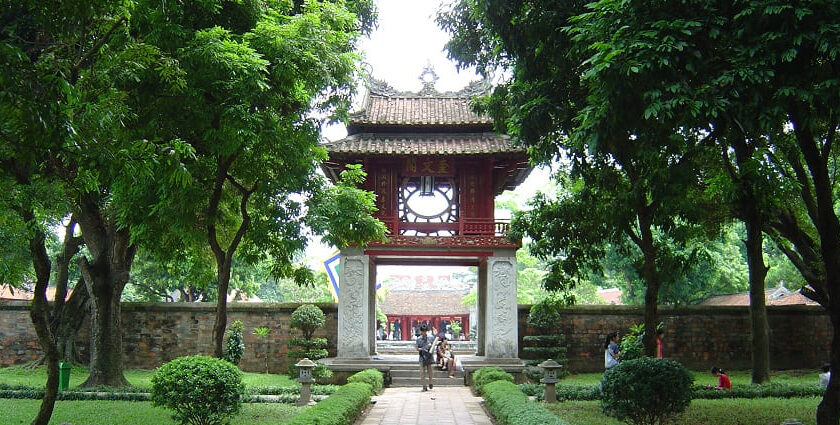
386 110
431 303
772 297
424 144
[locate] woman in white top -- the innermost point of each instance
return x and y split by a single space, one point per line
611 352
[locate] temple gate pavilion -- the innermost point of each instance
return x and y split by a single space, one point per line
435 167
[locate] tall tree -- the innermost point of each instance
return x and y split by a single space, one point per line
64 127
632 175
254 73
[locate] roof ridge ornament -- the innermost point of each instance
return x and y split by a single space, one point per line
428 77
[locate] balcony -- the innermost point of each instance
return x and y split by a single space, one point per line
477 227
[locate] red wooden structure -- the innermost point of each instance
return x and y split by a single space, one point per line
435 167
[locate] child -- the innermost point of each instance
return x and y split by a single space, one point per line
723 379
611 353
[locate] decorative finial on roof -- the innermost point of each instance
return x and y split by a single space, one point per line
428 77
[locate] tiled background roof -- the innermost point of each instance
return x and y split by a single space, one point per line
419 303
424 144
418 111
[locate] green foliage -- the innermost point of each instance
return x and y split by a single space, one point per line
341 408
371 377
234 346
308 318
509 406
646 391
200 390
486 375
456 327
545 315
631 342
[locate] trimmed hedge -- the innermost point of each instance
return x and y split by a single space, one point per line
341 408
593 392
371 377
486 375
511 407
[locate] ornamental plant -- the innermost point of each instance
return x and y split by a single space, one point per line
308 318
646 391
234 347
486 375
549 343
201 390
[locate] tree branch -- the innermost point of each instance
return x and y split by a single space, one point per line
74 70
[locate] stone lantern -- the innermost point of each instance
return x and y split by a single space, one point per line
305 379
550 368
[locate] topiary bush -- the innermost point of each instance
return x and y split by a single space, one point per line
341 408
510 406
549 344
486 375
234 347
646 391
201 390
371 377
308 318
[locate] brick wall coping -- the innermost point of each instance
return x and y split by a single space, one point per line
583 309
197 307
632 310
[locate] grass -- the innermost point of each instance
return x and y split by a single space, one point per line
136 377
738 377
703 412
133 413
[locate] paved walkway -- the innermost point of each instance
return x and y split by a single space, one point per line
440 406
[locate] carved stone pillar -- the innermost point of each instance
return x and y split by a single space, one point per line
501 331
354 330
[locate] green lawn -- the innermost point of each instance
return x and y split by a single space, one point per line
132 413
738 377
139 378
764 411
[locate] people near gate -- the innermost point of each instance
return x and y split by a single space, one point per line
723 379
659 334
424 349
611 352
397 330
380 332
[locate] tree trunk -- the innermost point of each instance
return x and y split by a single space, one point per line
106 362
221 310
40 316
758 310
827 410
651 280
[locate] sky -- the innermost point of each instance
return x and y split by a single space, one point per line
405 41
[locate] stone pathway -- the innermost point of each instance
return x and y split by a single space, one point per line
440 406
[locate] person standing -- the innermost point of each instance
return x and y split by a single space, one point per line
611 352
659 334
424 348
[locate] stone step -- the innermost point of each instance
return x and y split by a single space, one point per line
410 373
458 381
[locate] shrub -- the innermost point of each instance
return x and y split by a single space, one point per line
511 407
545 315
234 347
308 318
646 391
341 408
201 390
371 377
486 375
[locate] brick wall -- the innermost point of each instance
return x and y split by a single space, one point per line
154 333
698 336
